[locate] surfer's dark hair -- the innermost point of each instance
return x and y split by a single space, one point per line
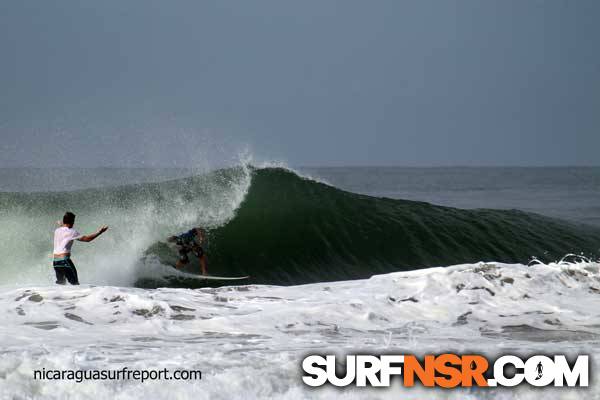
69 218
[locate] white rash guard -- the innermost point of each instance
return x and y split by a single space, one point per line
63 239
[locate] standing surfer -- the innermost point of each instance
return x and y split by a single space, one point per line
191 241
63 241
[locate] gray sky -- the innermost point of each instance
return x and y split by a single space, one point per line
177 83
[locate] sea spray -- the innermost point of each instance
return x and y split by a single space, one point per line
138 215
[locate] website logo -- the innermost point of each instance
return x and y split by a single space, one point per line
445 370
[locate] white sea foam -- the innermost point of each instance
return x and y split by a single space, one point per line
249 340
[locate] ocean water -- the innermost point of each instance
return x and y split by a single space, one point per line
571 193
343 260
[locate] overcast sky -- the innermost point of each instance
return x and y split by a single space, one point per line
177 83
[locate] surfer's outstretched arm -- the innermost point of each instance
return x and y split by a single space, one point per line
89 238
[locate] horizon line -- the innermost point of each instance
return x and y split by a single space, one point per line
309 166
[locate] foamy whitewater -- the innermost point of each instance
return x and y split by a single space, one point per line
249 341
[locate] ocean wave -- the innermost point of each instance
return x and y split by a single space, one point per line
294 230
269 223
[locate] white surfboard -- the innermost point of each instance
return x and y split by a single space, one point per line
208 277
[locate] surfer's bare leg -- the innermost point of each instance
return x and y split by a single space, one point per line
203 264
181 262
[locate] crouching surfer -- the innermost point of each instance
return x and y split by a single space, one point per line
193 241
63 241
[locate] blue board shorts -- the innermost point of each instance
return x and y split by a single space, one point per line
65 271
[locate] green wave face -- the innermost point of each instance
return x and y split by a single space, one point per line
271 224
291 230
